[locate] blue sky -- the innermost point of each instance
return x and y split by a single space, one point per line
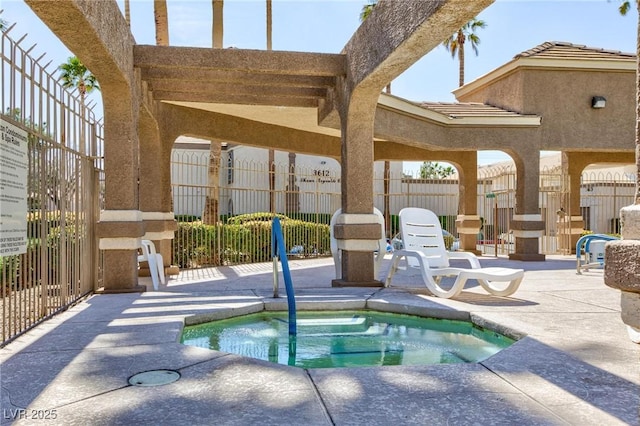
326 25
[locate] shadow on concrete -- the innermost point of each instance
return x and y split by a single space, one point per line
78 364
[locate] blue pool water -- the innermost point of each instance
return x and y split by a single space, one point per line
348 339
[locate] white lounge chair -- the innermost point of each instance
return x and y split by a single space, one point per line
155 261
337 253
424 250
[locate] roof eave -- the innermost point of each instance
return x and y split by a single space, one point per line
407 107
627 65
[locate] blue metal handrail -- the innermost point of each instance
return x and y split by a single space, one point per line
279 250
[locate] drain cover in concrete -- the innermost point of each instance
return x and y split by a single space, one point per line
154 378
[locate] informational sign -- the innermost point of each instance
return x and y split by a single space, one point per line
14 165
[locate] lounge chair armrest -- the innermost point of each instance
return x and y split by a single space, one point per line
415 254
472 258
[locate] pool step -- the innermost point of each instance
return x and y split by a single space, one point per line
338 325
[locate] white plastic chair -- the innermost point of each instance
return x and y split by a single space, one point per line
156 264
424 250
337 254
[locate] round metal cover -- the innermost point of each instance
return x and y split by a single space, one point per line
154 378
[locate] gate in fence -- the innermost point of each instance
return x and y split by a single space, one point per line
51 188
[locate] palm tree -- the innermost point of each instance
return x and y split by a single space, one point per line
162 23
291 195
435 170
212 201
624 8
455 43
367 9
127 12
75 75
217 30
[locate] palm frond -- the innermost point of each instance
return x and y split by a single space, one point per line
624 8
74 75
367 9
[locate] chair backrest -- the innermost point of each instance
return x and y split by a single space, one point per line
148 248
155 261
333 243
421 231
382 242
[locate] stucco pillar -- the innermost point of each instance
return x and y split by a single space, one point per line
155 190
97 33
356 230
622 269
570 227
468 221
574 164
527 224
120 226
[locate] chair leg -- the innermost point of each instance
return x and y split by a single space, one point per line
395 260
433 285
160 265
153 270
493 289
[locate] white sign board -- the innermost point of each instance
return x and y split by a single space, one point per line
14 163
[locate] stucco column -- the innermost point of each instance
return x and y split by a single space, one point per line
120 226
356 230
527 224
468 221
155 190
97 33
622 269
573 163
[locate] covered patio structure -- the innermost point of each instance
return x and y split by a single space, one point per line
331 105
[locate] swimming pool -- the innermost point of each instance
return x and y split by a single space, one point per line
328 339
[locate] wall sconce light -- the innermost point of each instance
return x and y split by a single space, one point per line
598 102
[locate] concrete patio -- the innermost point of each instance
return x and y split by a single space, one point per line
576 364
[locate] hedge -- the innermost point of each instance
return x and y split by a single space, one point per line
246 239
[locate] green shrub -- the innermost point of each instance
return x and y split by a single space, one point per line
9 266
186 218
51 219
324 218
195 244
313 237
13 267
246 239
251 217
395 225
448 241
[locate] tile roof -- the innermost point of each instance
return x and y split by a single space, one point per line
564 50
467 109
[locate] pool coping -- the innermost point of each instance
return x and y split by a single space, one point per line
366 305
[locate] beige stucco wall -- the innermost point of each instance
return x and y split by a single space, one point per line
563 98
